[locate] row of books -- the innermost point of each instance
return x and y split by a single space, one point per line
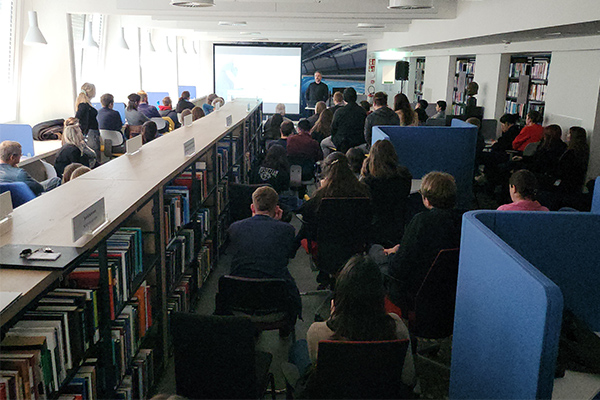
84 385
205 259
465 66
176 210
202 179
222 197
459 97
512 107
203 220
179 254
40 350
136 384
222 160
539 69
513 89
457 109
518 69
538 92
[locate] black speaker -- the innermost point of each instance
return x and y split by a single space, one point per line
402 71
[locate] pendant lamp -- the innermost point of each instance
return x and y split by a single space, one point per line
168 46
34 35
88 39
122 41
150 45
183 46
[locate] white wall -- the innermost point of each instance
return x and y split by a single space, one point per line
437 83
492 86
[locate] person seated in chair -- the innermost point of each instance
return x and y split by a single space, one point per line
10 156
286 129
523 188
147 109
262 244
107 117
166 110
302 148
428 232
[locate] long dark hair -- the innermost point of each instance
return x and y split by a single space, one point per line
359 312
185 95
276 159
323 124
402 104
552 137
275 127
339 180
382 161
134 100
578 143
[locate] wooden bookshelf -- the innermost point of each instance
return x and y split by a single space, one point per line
527 84
171 237
464 73
419 78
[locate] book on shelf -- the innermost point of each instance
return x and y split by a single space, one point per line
517 69
137 382
203 219
537 92
539 69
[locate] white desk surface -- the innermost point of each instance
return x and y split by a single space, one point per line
45 146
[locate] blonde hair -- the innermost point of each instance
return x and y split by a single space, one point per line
440 189
72 135
319 107
88 91
80 171
143 96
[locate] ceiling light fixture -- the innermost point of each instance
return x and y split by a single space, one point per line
250 33
168 46
193 4
233 23
88 39
365 25
352 34
553 34
194 47
183 46
34 35
122 41
411 4
150 45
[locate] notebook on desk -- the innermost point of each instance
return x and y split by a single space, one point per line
10 255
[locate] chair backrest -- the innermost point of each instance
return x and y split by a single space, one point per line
20 193
359 370
160 123
214 356
256 297
308 166
434 303
295 175
240 198
116 137
436 122
530 149
342 230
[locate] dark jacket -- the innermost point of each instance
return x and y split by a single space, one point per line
170 113
109 119
423 117
260 248
183 104
148 110
278 178
427 233
571 172
316 92
303 146
69 154
347 128
381 116
505 140
87 117
13 174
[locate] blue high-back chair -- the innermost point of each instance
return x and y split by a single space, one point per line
20 193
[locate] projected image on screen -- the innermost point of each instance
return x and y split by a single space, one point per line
269 73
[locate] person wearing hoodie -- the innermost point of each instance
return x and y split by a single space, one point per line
166 110
382 115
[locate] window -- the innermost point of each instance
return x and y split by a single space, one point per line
8 98
87 59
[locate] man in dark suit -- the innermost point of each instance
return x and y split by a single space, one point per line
262 244
317 91
107 117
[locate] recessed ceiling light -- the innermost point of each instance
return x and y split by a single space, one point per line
341 40
411 4
260 39
554 34
232 23
352 34
249 33
365 25
193 3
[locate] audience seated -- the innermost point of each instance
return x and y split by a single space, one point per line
322 128
319 107
80 171
166 110
132 114
107 117
531 133
381 115
356 157
286 129
302 146
390 185
420 109
197 113
347 126
149 131
262 244
10 155
510 131
523 188
357 314
402 106
430 231
544 161
573 163
207 107
185 113
69 171
338 102
184 103
440 109
366 105
495 159
274 170
147 109
74 149
273 126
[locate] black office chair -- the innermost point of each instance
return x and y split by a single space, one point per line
266 301
215 358
359 370
240 199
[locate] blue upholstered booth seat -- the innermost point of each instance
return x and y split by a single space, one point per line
20 193
596 198
18 133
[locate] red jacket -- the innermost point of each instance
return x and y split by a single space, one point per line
529 134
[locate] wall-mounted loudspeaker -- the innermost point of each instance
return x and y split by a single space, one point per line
402 71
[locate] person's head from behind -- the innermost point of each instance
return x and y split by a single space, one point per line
422 104
133 101
380 100
338 98
211 97
523 185
286 128
69 171
143 96
197 113
167 102
72 135
440 106
401 102
71 121
280 109
185 95
185 113
382 161
107 100
350 95
338 178
218 102
318 77
472 88
10 153
533 117
356 158
304 126
80 171
275 127
264 201
438 190
149 131
474 121
551 135
577 139
319 107
88 91
323 124
358 303
276 158
508 120
366 105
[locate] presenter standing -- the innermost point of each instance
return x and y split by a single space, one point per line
317 91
